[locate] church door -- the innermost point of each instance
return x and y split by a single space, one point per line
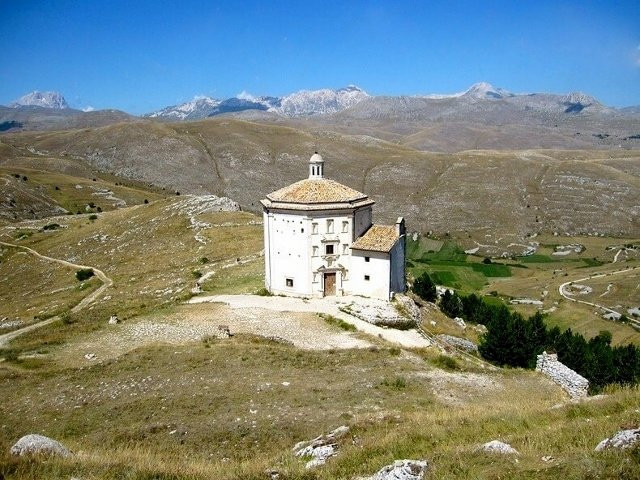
329 284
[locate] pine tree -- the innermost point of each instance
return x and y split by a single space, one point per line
425 288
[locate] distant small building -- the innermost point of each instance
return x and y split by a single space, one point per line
319 240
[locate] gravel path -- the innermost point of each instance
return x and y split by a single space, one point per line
106 283
327 305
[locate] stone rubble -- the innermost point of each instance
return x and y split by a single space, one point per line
404 314
401 470
573 383
496 446
114 320
623 439
35 444
321 448
461 343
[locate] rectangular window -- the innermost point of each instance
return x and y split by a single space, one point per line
345 248
302 230
328 249
289 282
329 226
366 259
315 251
367 278
314 228
345 227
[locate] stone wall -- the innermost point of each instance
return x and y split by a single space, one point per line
574 384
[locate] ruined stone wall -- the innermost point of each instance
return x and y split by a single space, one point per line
574 384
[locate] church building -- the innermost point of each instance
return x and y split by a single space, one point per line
319 240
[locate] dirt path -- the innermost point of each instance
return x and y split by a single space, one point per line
561 288
106 283
328 305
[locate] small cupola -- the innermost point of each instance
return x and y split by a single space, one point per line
316 167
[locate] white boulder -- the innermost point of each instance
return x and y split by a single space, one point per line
496 446
623 439
35 444
321 448
401 470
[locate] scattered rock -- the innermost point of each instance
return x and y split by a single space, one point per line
114 320
35 444
496 446
623 439
90 356
480 328
460 322
320 448
401 470
224 331
461 343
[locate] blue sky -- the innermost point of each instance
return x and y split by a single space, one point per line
142 55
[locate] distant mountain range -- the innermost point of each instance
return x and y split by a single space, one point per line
481 117
299 104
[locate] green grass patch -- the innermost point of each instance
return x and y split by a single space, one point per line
492 269
444 277
592 262
337 322
537 258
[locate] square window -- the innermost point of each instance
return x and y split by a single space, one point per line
329 249
367 278
366 259
289 282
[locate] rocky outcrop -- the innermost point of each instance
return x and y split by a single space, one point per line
321 448
402 313
34 444
623 439
496 446
573 383
457 342
401 470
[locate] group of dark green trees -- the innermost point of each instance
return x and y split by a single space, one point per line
515 341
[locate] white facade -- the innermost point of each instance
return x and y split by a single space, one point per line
309 232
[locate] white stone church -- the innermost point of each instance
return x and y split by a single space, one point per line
319 240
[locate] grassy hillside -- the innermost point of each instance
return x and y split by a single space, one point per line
192 407
515 192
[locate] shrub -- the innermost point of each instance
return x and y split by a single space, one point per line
146 201
92 217
446 362
204 260
196 273
84 274
51 226
263 292
425 288
397 383
66 318
487 261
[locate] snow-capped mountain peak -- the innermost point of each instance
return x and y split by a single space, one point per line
324 101
199 107
486 91
41 99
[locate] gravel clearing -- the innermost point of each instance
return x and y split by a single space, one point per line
327 305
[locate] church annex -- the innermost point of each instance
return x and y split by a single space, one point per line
319 241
